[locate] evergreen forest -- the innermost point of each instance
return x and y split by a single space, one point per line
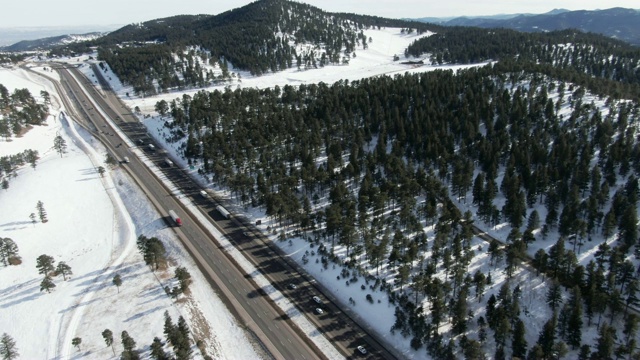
378 170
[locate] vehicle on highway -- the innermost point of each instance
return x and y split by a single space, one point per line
319 311
168 162
223 211
175 218
362 350
152 147
317 300
204 194
292 286
140 142
126 159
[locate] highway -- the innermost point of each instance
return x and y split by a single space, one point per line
278 335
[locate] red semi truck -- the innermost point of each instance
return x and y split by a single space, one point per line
175 218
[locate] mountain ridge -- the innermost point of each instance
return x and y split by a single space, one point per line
619 23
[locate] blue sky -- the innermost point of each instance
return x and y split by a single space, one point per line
81 12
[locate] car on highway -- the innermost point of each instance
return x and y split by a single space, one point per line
317 300
362 350
319 311
292 286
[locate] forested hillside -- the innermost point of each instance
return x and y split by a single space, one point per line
377 170
264 36
569 54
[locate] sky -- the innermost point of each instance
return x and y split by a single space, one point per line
122 12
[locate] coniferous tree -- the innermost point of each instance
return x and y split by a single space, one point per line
540 261
157 350
547 337
47 284
585 352
460 311
60 145
518 341
42 213
169 328
8 348
183 276
64 269
631 294
76 341
152 250
554 295
8 251
107 335
574 322
117 281
605 343
630 327
44 264
129 345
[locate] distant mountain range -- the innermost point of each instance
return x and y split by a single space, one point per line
20 37
49 42
618 23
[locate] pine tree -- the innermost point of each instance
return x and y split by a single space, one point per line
169 328
64 269
60 145
630 327
585 352
117 281
157 351
631 292
574 323
606 342
547 336
44 264
518 342
459 320
554 295
129 345
183 276
8 348
152 250
76 341
107 335
8 251
540 261
42 212
47 284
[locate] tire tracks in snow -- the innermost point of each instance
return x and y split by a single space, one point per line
124 230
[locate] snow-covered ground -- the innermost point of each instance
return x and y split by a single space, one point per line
94 221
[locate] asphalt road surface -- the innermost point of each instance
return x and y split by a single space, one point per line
250 305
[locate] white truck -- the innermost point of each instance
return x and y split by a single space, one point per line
152 147
168 162
175 218
223 211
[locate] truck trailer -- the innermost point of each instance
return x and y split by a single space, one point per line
175 218
223 211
